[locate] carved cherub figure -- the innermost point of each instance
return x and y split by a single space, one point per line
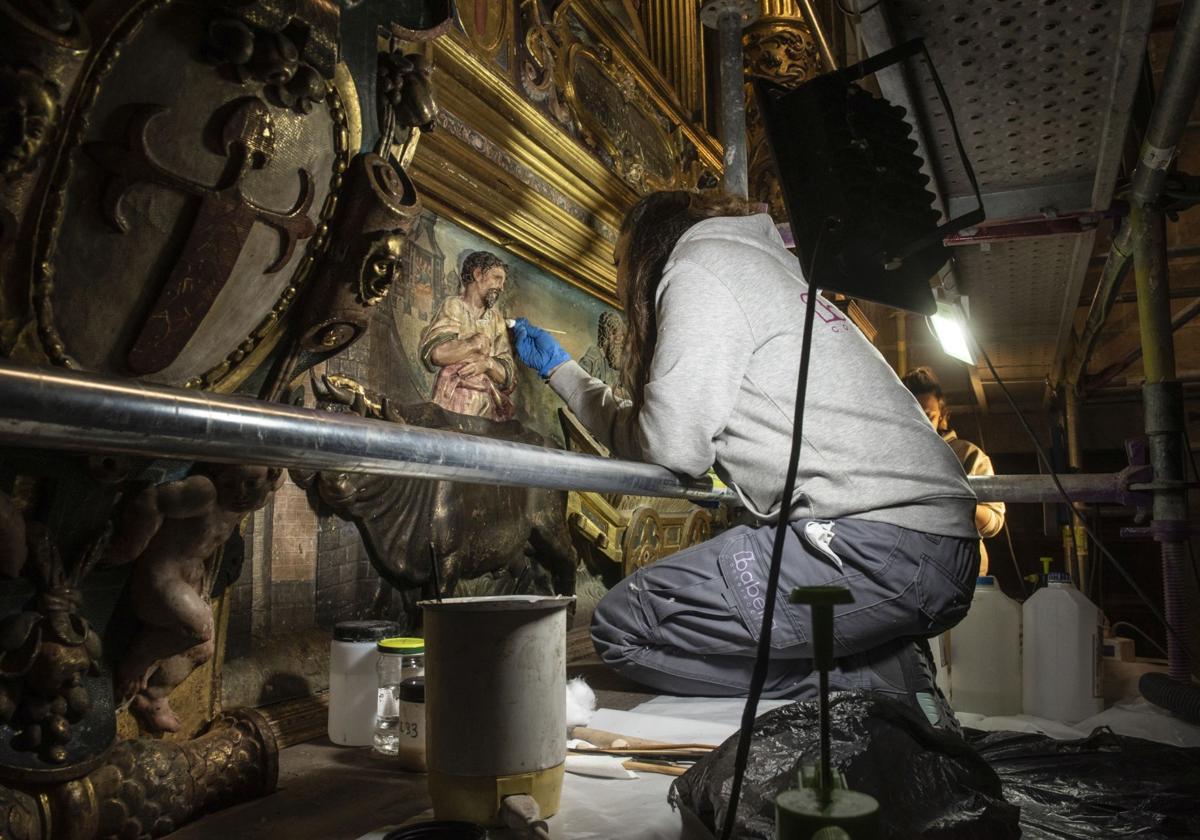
171 532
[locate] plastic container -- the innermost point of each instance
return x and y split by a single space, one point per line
1061 676
495 703
410 751
352 680
399 659
985 654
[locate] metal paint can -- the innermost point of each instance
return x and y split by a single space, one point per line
495 690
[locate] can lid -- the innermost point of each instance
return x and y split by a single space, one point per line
364 631
412 690
985 580
1058 577
401 645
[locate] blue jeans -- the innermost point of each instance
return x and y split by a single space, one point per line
689 624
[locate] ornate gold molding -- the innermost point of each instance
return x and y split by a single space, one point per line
526 160
675 42
781 49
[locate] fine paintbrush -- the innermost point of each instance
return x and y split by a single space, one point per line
512 323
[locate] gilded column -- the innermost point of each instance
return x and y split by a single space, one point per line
675 44
779 46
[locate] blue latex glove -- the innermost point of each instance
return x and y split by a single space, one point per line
536 348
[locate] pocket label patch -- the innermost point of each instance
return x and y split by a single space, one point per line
745 578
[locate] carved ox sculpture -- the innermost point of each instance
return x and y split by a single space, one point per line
424 536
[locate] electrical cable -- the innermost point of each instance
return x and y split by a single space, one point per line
762 656
1141 633
1012 552
1041 453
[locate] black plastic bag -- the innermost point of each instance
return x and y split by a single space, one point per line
1101 786
930 784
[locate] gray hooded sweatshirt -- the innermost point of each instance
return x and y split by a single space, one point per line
722 386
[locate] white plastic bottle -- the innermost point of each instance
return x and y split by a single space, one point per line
352 680
1061 675
985 656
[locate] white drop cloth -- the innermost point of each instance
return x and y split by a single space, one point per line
607 809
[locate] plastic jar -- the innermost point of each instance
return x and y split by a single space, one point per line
410 751
353 680
399 659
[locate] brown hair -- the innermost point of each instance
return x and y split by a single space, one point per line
485 261
653 226
922 381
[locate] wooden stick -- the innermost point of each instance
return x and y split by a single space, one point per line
645 767
615 740
636 753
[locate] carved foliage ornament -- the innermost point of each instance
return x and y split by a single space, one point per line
268 43
782 50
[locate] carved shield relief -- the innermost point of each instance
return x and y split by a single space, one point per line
182 223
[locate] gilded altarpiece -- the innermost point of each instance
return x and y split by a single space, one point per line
553 120
218 196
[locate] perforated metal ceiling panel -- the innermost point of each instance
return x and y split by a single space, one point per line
1041 91
1019 304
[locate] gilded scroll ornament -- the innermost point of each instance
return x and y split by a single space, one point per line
782 50
591 89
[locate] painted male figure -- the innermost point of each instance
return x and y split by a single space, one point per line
467 344
603 359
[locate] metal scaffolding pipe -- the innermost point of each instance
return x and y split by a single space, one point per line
79 412
1168 120
818 34
1172 107
1162 399
1180 320
728 18
65 410
735 179
1111 488
1116 267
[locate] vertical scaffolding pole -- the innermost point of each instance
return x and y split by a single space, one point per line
729 17
1162 395
1162 398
